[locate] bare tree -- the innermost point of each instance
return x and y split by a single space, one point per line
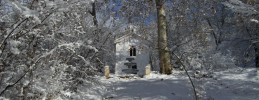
164 55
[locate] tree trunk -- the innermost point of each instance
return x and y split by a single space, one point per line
257 48
256 45
164 54
94 13
257 55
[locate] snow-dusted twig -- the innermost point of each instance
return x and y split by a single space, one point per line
30 69
109 35
10 33
184 67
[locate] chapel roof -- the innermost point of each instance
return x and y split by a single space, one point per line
131 35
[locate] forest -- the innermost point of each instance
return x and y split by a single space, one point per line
197 49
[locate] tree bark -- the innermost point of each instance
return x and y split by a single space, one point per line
256 45
93 13
257 48
257 55
164 54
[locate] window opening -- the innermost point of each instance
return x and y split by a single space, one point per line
132 51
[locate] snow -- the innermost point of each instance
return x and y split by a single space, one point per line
2 98
233 86
26 12
254 20
224 85
85 61
152 87
54 73
14 46
73 45
50 3
66 93
159 87
239 6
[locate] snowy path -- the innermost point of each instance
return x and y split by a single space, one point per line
151 88
223 86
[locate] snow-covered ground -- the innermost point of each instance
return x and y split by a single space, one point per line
234 84
153 87
237 85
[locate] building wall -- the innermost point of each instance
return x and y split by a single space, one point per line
122 52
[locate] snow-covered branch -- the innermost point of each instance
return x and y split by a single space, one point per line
240 7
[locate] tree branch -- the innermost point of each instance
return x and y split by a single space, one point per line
11 85
12 33
184 67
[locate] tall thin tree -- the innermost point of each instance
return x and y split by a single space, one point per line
164 54
256 47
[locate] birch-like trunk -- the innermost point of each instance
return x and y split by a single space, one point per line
164 54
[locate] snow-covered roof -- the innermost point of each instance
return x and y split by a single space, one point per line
132 36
